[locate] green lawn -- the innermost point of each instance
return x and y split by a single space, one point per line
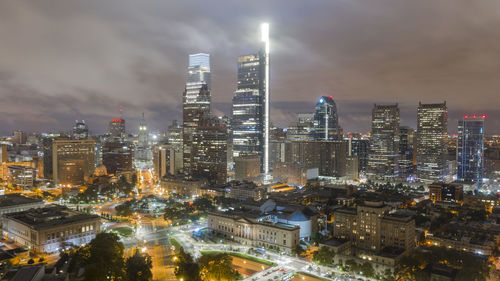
240 255
175 243
124 231
312 275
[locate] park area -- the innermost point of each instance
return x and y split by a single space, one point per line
246 265
302 276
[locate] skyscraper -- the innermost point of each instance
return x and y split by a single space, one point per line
326 121
250 111
73 161
143 150
117 128
384 142
432 130
470 149
406 153
196 103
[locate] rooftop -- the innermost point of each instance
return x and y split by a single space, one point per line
15 199
49 216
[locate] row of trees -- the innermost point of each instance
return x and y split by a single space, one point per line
93 191
207 267
103 260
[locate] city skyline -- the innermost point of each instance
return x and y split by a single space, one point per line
115 66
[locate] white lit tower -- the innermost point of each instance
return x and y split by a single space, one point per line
264 29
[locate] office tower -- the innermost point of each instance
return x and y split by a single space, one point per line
432 130
80 130
199 69
174 139
329 157
359 147
246 167
250 112
209 146
470 149
117 128
161 160
326 121
143 150
303 129
196 103
117 156
384 147
446 192
73 161
247 123
407 140
19 137
3 154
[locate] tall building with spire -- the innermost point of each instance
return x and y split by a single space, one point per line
432 131
384 142
143 150
250 105
326 121
195 104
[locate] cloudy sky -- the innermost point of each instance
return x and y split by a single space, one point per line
62 60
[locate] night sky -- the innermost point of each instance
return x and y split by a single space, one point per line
63 60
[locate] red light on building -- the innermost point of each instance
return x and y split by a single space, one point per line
466 116
484 116
474 115
331 97
117 120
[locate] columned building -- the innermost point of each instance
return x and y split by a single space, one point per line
470 149
384 142
432 130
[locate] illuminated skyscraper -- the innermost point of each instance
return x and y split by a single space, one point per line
326 121
406 168
384 142
432 130
117 128
196 103
250 112
470 149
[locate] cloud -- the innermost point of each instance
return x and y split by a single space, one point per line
70 59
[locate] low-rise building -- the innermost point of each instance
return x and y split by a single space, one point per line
10 203
182 185
51 228
255 231
245 190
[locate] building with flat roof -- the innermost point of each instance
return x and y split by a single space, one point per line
73 161
10 203
51 228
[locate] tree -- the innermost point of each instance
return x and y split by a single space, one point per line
202 204
185 267
367 269
217 267
105 260
324 256
138 267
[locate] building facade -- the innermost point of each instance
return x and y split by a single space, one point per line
73 161
384 142
432 130
51 229
326 121
470 149
118 156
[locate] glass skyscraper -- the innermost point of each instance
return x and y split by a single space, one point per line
195 104
250 105
432 130
326 121
470 149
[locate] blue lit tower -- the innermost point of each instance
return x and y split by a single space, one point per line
326 121
470 149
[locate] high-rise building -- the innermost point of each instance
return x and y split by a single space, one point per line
73 161
470 149
80 130
19 137
247 123
209 146
432 130
359 146
117 156
329 157
303 129
407 140
195 105
3 154
326 121
384 142
117 128
143 150
174 138
250 112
